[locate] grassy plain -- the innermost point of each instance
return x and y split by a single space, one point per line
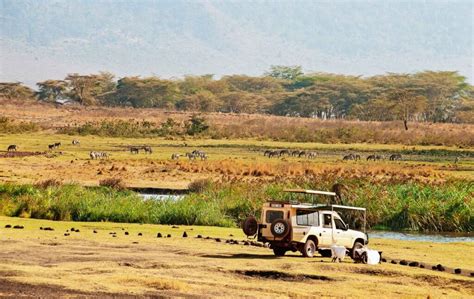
86 263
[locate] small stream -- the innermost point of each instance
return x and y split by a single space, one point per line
404 236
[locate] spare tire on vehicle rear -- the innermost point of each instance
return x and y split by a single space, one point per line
250 226
280 228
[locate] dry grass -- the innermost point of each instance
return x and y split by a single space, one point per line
233 126
146 265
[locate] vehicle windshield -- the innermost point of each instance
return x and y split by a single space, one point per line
339 224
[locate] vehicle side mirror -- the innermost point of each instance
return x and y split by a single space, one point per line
346 227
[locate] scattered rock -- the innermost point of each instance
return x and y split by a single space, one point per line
472 274
159 235
414 264
66 234
403 263
434 268
8 226
41 228
73 229
168 236
235 242
94 231
422 266
384 260
457 271
228 241
18 227
231 235
114 236
440 267
217 239
185 235
48 228
246 243
140 234
207 238
135 242
393 262
199 237
78 231
126 233
174 226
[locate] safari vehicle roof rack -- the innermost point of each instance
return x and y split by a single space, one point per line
308 191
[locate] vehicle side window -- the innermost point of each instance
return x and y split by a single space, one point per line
307 217
339 224
271 216
327 220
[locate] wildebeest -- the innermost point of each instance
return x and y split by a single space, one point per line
51 146
75 142
295 153
374 157
175 156
134 150
57 144
284 152
395 157
12 148
348 157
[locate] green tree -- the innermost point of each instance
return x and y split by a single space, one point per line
285 72
52 90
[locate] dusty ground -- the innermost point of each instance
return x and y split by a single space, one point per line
36 262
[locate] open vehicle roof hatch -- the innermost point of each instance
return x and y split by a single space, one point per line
307 191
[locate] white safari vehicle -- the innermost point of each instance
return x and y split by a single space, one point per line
305 227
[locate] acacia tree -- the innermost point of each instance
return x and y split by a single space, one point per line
15 90
86 89
285 72
52 90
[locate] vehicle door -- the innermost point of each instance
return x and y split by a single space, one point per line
325 235
341 235
303 223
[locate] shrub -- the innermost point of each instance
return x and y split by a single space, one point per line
115 183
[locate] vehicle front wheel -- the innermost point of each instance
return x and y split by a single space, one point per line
309 248
354 254
279 251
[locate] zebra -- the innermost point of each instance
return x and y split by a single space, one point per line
199 154
147 149
12 148
267 153
311 155
203 157
98 155
371 157
457 159
175 156
302 154
134 150
395 157
76 142
356 157
191 156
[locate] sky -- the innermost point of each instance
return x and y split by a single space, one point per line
47 39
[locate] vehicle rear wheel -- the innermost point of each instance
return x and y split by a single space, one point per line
309 248
279 251
354 254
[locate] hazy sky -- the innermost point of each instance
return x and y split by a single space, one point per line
47 39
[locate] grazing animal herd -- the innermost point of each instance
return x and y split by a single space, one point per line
312 155
196 154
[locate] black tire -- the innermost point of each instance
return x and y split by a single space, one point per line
325 253
279 251
357 245
309 248
280 228
250 226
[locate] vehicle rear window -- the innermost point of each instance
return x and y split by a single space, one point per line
305 217
273 215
